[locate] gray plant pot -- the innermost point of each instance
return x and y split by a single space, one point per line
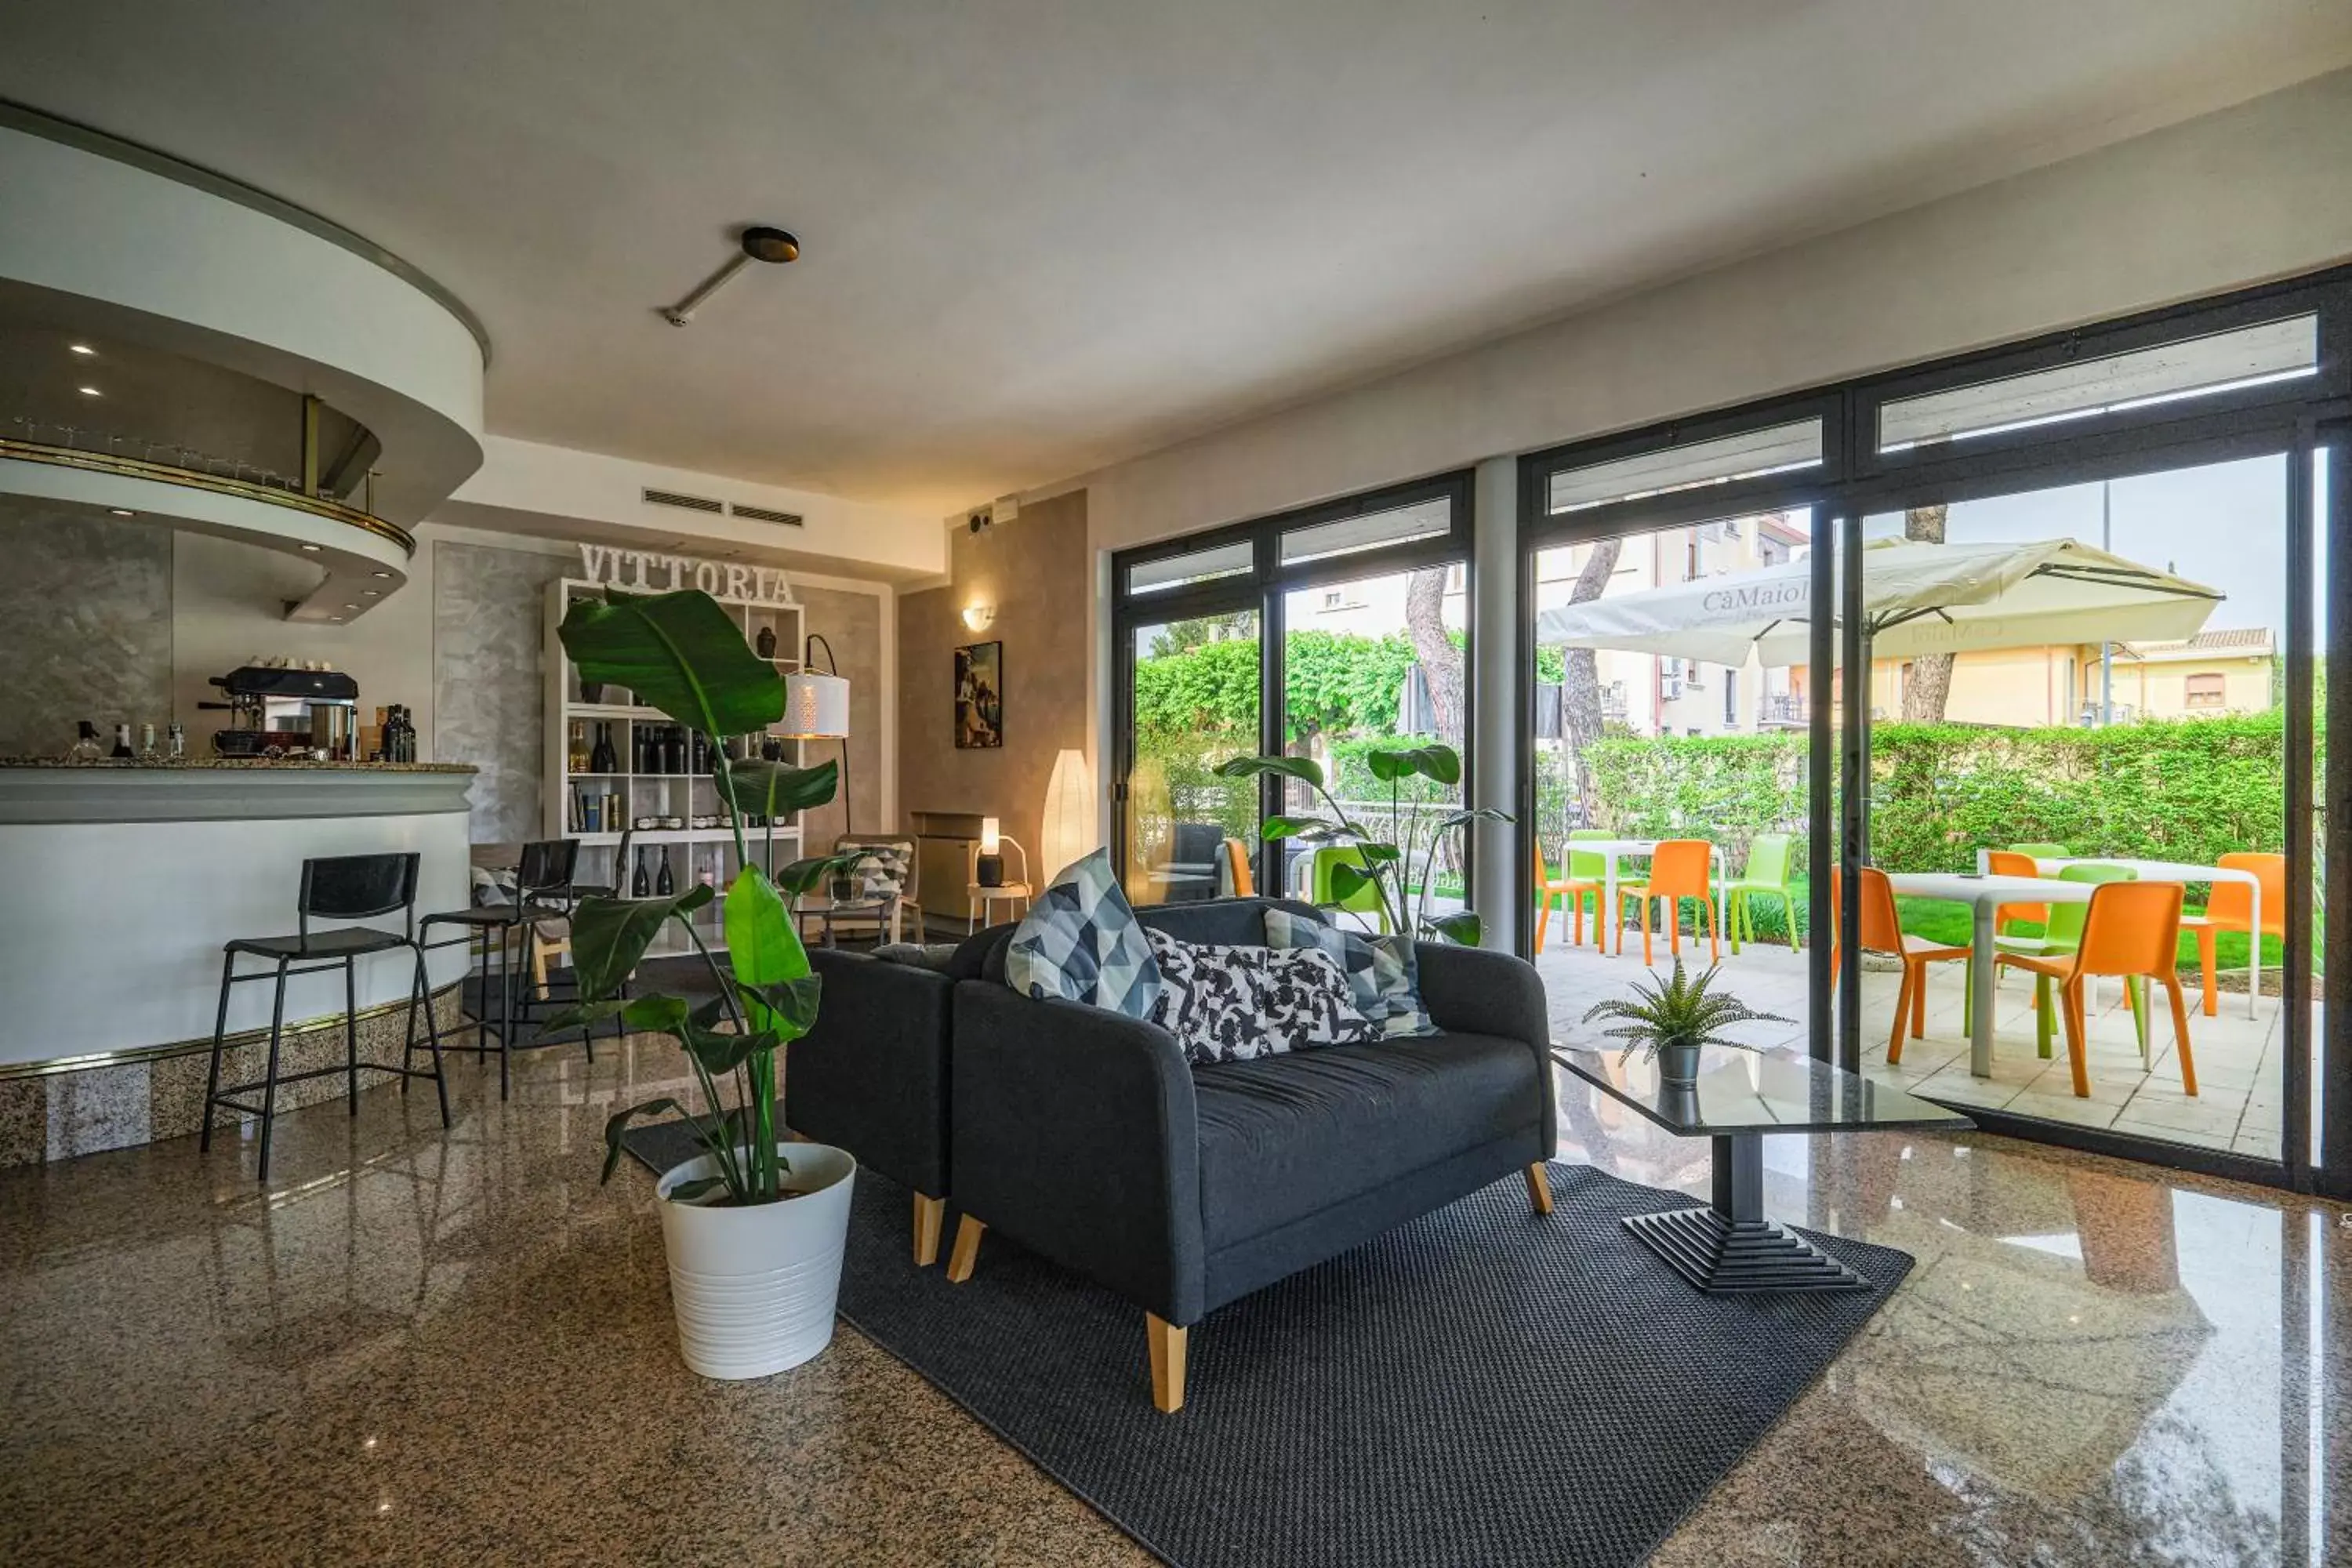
1678 1064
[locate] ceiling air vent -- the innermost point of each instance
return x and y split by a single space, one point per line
765 514
684 503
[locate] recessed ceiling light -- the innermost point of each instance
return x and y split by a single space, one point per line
337 619
312 548
92 391
121 511
350 606
385 575
80 347
373 593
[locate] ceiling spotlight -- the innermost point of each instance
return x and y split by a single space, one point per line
312 548
337 619
760 242
121 511
385 575
350 606
79 349
371 593
92 391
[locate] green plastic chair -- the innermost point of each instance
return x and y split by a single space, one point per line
1584 866
2064 935
1767 873
2041 851
1364 900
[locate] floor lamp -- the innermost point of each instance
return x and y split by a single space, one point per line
817 707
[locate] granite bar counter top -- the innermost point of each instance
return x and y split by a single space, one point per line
258 765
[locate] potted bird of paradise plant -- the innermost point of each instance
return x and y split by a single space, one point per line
754 1227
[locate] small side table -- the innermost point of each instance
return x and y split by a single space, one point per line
980 903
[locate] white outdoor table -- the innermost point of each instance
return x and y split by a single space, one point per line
2182 871
1611 849
1984 894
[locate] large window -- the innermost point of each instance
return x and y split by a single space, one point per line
2052 611
1324 634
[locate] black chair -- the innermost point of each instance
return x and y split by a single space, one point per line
618 888
343 887
542 884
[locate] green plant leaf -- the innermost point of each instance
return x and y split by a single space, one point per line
805 875
1464 928
1305 769
678 651
1297 827
579 1016
686 1192
609 935
790 1005
618 1123
1378 854
1440 763
760 788
721 1051
1347 881
1480 814
1389 766
762 948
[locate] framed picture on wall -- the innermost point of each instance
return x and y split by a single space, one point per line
980 695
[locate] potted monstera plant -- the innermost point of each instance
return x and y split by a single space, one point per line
754 1227
1375 865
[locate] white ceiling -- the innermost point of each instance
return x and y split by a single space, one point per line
1042 235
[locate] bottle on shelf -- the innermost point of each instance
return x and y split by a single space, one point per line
663 885
147 752
602 760
576 752
641 886
85 748
176 743
700 763
121 742
674 751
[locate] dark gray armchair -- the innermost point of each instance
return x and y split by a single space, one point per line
1085 1136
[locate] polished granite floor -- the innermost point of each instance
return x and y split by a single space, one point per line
420 1347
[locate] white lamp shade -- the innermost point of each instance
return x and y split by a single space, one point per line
991 836
816 707
1070 828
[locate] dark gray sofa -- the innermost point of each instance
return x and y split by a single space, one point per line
1085 1136
871 1076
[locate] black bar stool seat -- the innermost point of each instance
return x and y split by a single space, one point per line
342 887
542 879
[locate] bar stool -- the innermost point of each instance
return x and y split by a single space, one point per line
343 887
540 881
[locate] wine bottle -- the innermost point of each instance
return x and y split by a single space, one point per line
84 746
640 886
701 762
602 760
674 751
147 752
663 886
576 751
121 742
178 742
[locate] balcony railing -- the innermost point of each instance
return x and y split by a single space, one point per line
1782 708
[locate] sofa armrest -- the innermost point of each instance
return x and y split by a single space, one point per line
1470 991
1075 1133
871 1075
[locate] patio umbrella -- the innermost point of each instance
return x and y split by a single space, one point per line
1919 598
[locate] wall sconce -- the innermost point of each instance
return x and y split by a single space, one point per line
978 617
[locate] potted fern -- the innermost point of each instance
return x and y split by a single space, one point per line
1669 1023
755 1233
1382 867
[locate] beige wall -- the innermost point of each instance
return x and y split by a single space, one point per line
1036 573
2160 690
2024 687
851 623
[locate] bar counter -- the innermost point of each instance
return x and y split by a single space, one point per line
119 881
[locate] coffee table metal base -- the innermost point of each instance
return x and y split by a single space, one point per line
1730 1248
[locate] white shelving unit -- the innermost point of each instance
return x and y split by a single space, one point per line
694 852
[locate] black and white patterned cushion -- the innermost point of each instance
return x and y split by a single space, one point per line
878 870
1234 1004
1383 975
1080 942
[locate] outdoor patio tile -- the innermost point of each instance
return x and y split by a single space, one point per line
2263 1145
2156 1107
2208 1139
2063 1108
1962 1087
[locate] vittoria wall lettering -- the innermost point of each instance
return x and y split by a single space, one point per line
649 572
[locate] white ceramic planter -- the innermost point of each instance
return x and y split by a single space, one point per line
755 1287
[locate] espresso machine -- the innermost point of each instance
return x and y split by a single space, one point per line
287 711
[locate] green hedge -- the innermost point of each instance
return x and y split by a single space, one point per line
2179 789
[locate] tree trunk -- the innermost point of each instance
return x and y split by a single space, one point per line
1929 686
1580 689
1440 661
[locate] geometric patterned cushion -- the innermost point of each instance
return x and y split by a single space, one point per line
1081 941
1233 1004
877 870
1383 973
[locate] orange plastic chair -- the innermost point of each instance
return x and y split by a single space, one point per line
1237 862
1882 932
1573 890
2004 863
2131 929
1679 868
2232 908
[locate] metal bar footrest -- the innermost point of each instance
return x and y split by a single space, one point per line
1724 1257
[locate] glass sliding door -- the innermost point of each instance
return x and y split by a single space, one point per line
1193 699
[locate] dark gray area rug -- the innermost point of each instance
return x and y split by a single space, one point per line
1482 1386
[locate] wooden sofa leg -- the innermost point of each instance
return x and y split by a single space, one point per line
967 1250
1538 1189
1166 1363
930 1214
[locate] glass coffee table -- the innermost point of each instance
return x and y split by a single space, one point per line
1740 1098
